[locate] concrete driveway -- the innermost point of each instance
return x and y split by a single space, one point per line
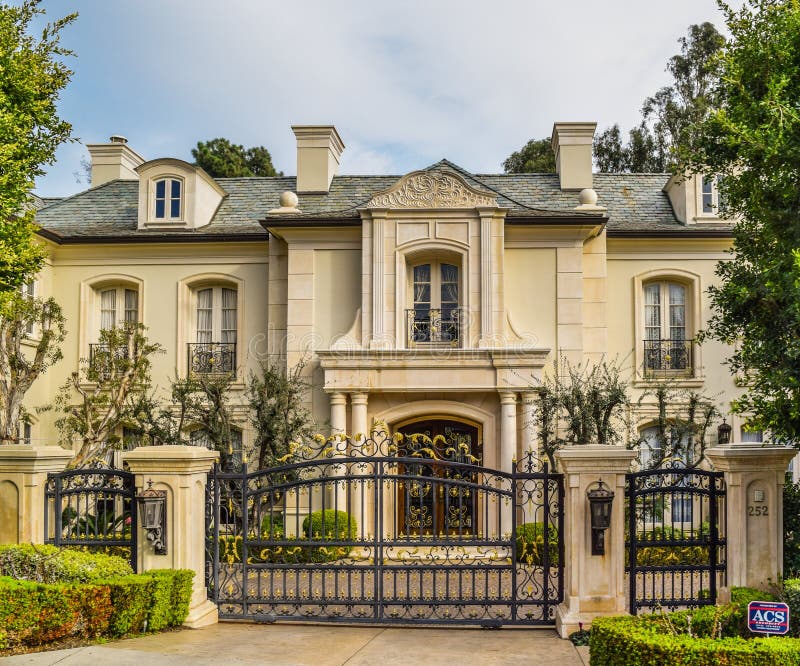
298 645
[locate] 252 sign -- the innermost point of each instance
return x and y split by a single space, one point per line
757 510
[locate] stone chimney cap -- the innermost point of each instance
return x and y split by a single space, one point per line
117 138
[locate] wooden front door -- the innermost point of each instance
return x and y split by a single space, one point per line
430 503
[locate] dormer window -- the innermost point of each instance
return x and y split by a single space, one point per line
710 195
168 199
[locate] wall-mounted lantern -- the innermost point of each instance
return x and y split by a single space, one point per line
600 498
724 433
153 517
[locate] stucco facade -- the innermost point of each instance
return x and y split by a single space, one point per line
438 294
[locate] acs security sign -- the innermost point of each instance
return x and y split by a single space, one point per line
768 617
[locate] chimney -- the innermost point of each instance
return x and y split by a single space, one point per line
319 148
113 160
572 144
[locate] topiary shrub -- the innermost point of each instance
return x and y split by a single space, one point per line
530 544
48 564
329 525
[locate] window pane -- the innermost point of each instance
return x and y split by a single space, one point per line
175 208
652 311
131 306
751 435
175 189
422 273
708 195
159 208
205 301
161 189
449 293
108 309
228 315
677 312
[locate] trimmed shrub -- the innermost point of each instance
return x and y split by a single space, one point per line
329 525
719 638
669 555
171 596
131 598
49 564
530 544
272 526
36 613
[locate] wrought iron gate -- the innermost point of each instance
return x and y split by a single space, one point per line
395 530
675 537
93 507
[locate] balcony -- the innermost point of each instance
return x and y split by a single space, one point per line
432 328
100 357
205 358
668 358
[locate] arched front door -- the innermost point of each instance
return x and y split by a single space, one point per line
427 503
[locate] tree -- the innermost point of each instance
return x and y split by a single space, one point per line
276 398
223 159
23 358
32 76
752 140
536 156
105 386
670 114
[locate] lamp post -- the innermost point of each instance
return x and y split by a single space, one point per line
600 498
153 517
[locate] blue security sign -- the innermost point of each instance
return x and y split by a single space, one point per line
768 617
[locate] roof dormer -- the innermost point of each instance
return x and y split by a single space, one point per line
174 194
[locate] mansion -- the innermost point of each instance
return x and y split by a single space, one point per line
433 301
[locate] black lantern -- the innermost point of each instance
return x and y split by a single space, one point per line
724 433
600 498
153 517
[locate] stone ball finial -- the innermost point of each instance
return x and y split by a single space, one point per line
587 197
289 199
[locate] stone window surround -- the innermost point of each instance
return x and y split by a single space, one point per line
89 324
167 178
694 323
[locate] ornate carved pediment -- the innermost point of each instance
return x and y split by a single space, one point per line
432 189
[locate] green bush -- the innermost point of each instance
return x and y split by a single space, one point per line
791 529
36 613
669 555
48 564
272 526
330 525
719 638
530 544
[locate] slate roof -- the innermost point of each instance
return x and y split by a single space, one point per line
634 202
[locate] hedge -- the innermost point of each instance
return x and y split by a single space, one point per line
530 544
34 614
657 639
49 564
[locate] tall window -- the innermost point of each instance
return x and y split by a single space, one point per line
666 344
711 196
118 305
168 199
215 331
435 293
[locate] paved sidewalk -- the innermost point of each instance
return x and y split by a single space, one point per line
298 645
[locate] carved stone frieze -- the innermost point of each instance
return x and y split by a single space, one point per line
432 189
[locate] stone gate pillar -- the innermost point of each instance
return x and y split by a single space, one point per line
183 472
754 478
23 476
594 585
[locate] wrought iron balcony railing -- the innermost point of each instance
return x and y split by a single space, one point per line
668 358
100 357
211 357
432 327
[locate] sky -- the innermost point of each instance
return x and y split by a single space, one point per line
406 83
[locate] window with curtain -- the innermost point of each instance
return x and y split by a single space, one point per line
217 315
435 295
667 345
118 305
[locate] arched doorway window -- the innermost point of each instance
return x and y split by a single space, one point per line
433 498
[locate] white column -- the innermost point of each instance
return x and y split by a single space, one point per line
530 433
359 501
508 450
337 497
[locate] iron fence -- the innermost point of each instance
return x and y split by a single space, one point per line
211 357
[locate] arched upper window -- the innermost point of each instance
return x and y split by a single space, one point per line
667 335
117 305
216 324
434 316
168 199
